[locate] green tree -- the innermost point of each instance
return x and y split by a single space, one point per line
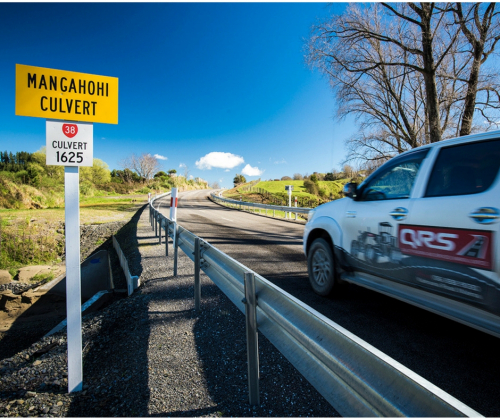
239 179
100 172
35 173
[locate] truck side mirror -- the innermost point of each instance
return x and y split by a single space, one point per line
350 189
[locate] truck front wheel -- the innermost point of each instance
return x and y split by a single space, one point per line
321 267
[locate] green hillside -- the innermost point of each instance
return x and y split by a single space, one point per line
273 192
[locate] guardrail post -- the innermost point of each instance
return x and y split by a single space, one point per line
159 231
197 286
252 339
176 246
167 226
156 224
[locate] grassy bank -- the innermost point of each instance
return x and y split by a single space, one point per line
30 237
274 193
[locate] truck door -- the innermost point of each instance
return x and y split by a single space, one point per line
451 239
370 224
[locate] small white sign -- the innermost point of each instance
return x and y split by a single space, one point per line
69 143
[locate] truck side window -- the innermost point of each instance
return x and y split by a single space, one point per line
464 169
395 179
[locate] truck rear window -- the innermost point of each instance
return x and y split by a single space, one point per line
465 169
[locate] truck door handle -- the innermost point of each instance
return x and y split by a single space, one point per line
485 215
399 213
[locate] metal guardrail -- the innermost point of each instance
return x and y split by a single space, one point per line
353 376
133 282
242 205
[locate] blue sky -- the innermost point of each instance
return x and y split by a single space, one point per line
219 88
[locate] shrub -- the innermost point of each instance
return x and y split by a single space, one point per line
311 187
87 188
22 176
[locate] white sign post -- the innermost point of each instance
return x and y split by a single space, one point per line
289 188
173 205
71 145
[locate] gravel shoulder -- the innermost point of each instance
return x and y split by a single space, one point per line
151 354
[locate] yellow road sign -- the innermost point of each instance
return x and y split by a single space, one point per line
59 94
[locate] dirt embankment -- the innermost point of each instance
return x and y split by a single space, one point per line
24 303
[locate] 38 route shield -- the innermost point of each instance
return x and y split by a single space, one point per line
69 144
58 94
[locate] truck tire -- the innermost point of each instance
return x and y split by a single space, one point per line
321 267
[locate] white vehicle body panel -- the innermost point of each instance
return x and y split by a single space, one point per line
417 240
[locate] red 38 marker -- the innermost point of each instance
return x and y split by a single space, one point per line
70 130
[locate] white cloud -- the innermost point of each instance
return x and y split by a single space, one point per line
220 160
251 171
182 165
282 161
160 157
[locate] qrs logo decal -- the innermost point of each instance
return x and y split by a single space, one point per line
466 247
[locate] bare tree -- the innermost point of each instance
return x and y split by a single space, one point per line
186 172
481 28
401 69
297 176
348 170
144 165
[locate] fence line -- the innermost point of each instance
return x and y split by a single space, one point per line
280 208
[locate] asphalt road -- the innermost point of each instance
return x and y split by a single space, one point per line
460 360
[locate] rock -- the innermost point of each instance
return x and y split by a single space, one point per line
38 362
19 402
5 277
28 272
9 301
30 394
30 296
59 403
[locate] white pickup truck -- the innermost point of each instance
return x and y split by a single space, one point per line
423 228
